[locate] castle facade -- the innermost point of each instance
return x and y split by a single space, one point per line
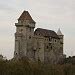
39 45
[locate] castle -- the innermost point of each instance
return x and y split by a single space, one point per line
39 45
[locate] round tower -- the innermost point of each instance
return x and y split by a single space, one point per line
61 36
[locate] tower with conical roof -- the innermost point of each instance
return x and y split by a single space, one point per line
61 36
24 35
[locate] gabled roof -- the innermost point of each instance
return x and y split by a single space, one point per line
26 16
59 32
46 33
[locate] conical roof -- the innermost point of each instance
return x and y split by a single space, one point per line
59 32
26 16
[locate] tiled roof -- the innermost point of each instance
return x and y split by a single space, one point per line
46 33
26 16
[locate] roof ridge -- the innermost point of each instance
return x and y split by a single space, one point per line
45 29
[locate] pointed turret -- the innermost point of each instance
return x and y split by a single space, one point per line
26 16
61 36
59 32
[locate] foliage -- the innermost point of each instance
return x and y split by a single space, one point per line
24 67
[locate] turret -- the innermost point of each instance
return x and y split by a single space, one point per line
61 36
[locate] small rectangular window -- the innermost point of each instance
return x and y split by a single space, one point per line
47 47
29 37
49 39
30 29
51 47
55 40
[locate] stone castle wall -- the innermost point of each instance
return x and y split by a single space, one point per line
35 46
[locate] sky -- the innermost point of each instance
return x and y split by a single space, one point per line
48 14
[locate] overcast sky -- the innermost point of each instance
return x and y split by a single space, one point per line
48 14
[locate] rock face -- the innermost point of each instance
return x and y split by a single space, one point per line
39 45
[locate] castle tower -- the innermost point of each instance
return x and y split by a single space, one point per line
61 36
24 35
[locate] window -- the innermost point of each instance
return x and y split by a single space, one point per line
16 53
49 44
39 34
47 47
29 37
39 48
34 53
51 47
49 39
55 40
61 42
30 29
